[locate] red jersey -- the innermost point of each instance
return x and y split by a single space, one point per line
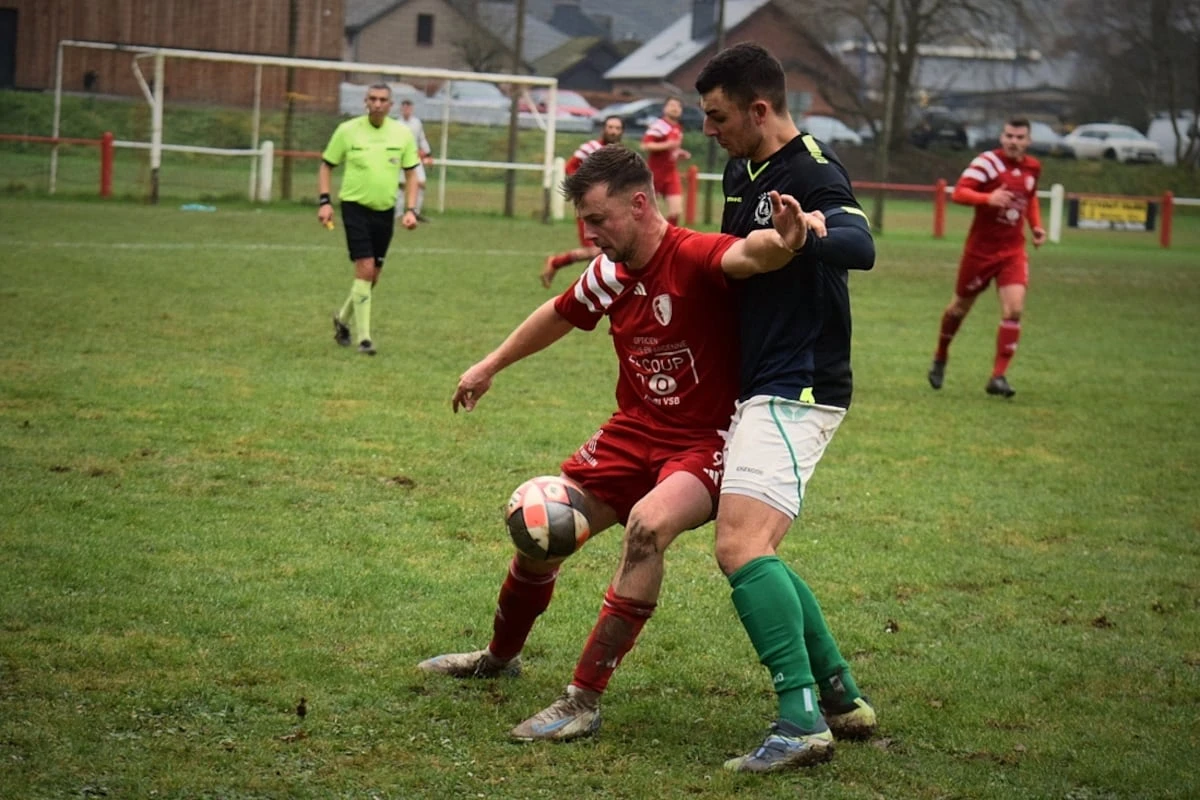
674 328
581 154
1000 230
663 162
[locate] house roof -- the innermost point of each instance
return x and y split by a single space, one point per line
566 56
624 19
361 13
539 37
571 20
674 46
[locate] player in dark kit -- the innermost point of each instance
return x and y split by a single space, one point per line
795 387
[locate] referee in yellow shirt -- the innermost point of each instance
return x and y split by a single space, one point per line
374 148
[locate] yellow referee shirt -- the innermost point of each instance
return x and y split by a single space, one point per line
373 158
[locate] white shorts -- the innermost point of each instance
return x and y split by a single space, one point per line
774 446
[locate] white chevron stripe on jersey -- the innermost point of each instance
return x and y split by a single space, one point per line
660 128
587 148
598 287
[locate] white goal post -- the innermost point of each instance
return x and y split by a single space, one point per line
153 92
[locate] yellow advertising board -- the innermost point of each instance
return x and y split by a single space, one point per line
1112 213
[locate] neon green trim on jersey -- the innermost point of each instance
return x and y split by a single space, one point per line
814 149
754 175
806 395
859 212
733 199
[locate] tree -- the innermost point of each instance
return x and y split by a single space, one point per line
912 23
481 47
1137 61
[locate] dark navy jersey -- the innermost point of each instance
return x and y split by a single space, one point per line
795 322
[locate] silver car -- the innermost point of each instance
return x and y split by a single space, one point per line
1115 142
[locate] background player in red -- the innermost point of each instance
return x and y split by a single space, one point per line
1002 185
663 145
655 466
614 129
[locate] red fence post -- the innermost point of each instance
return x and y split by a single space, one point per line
106 164
693 185
1168 209
939 209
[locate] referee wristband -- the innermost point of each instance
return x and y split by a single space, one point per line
324 200
410 208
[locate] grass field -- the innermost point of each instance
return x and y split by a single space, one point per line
210 511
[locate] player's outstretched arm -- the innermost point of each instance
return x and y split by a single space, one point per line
769 249
540 329
848 245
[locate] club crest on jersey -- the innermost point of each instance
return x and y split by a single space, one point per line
762 211
662 309
1029 183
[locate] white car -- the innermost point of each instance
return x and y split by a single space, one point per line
1116 142
830 130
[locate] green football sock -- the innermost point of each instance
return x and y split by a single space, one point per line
829 667
770 611
360 295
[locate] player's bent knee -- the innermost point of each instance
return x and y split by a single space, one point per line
732 554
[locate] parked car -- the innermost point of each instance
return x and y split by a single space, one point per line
1108 140
1162 131
567 103
640 115
939 126
471 93
1045 141
830 130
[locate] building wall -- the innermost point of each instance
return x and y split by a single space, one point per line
392 39
774 31
241 26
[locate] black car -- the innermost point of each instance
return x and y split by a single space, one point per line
639 115
939 126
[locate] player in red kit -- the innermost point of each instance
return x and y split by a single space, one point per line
614 129
1002 185
655 466
663 145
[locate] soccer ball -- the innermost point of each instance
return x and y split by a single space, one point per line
545 518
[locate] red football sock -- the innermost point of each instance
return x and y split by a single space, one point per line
563 260
620 622
673 219
1007 336
945 334
523 597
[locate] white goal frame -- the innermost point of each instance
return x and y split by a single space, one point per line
154 96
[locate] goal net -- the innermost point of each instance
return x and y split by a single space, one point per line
200 126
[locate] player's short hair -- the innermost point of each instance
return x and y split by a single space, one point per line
406 101
618 119
617 166
746 72
1018 122
381 87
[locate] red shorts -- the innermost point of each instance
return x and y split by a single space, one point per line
579 227
976 272
627 458
667 183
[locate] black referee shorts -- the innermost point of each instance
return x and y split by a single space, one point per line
368 232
